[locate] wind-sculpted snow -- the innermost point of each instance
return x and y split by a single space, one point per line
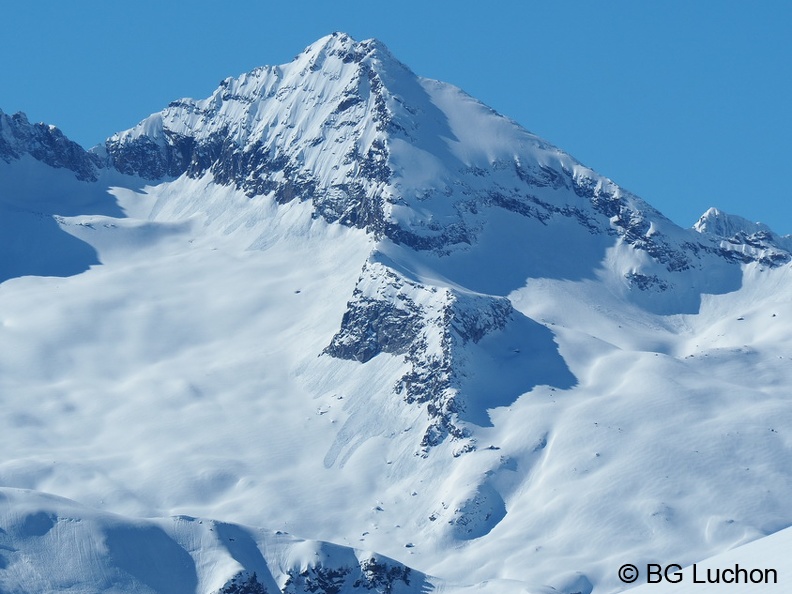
49 544
344 301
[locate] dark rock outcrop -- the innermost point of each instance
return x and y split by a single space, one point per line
46 144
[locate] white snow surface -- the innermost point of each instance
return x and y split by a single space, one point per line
727 225
161 359
56 545
766 559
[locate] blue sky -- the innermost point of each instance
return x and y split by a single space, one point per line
684 103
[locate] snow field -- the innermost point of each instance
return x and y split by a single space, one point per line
161 354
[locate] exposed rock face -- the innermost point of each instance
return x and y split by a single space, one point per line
744 241
483 245
370 575
427 169
168 555
46 144
440 333
352 129
273 131
419 164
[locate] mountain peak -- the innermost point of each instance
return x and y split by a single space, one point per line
45 143
372 145
745 239
344 46
716 222
334 95
343 270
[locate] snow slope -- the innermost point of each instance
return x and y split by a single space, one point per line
339 300
55 545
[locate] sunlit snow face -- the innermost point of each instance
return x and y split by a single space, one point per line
369 310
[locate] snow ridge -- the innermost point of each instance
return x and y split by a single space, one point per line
103 552
754 241
349 128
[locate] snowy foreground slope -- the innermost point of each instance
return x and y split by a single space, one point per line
68 547
765 561
339 301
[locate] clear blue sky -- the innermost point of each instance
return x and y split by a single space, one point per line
685 103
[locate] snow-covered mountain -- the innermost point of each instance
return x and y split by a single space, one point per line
341 300
46 144
105 552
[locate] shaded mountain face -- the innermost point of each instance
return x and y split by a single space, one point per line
47 144
351 129
98 551
45 176
342 298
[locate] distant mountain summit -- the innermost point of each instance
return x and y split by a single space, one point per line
45 143
744 236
